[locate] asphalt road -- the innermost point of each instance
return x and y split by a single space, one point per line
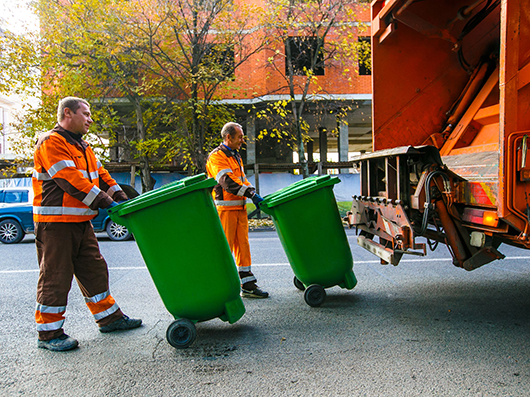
423 328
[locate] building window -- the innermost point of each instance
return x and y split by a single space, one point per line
364 51
302 52
218 57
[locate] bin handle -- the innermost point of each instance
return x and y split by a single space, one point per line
322 179
194 179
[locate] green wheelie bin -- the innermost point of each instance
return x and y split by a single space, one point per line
181 239
308 223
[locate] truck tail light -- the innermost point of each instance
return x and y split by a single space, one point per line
482 217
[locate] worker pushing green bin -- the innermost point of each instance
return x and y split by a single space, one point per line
181 239
308 222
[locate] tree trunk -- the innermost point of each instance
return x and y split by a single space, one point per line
148 182
299 136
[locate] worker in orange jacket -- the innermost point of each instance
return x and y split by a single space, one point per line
225 165
70 185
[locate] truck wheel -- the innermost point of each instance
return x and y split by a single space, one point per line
11 232
298 284
117 232
181 333
314 295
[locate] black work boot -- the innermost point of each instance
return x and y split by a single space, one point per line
60 344
123 324
254 293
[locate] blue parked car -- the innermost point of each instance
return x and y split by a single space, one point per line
16 216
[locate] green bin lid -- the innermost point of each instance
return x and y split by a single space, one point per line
164 193
296 190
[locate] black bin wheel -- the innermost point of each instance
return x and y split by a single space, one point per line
314 295
298 284
181 333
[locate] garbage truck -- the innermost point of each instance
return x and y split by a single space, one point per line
451 127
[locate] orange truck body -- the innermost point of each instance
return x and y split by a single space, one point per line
451 121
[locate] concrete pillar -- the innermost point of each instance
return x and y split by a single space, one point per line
133 176
323 143
309 148
251 138
343 143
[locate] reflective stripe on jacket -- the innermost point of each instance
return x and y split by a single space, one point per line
232 187
68 181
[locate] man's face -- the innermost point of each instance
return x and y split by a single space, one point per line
236 141
78 122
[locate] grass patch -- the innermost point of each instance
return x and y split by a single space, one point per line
344 207
254 223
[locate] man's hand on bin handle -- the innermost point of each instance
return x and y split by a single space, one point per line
256 199
113 204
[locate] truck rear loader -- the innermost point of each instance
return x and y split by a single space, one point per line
451 129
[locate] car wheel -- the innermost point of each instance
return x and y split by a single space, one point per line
11 232
117 232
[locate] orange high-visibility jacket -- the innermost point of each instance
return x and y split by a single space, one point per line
69 183
232 187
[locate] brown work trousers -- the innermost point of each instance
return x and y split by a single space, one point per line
65 250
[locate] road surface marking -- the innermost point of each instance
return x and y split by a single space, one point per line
287 264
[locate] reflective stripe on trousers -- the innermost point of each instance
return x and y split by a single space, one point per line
101 305
49 318
247 279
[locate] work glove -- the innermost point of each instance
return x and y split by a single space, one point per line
256 199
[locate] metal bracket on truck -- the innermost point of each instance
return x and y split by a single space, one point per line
410 193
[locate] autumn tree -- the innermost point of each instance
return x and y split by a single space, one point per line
18 74
194 48
24 71
21 66
171 59
83 54
308 38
